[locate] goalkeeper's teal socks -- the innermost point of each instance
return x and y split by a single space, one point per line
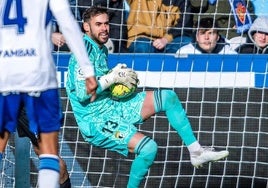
146 151
168 101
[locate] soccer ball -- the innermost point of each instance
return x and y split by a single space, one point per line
120 91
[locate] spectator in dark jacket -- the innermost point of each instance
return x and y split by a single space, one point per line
257 39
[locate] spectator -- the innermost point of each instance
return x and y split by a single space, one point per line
207 40
222 13
257 39
57 37
156 26
186 21
118 28
111 124
58 40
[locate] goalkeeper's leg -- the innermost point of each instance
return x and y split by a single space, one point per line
168 101
145 151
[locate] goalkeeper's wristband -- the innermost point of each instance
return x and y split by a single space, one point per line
88 71
106 81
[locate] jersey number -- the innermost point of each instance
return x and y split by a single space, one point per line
110 126
18 20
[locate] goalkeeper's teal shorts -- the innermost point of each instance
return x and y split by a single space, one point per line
43 111
113 127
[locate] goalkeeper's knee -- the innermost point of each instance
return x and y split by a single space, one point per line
146 151
165 100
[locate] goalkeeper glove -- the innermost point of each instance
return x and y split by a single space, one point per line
119 74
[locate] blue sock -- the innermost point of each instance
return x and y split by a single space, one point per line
1 156
168 101
146 151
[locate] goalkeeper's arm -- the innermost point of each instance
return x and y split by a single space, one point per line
119 74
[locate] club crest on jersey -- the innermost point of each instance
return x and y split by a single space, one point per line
80 74
119 135
18 53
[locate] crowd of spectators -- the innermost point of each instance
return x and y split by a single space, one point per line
164 26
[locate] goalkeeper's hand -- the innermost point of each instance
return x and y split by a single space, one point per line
119 74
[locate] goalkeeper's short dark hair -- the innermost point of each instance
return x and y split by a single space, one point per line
93 11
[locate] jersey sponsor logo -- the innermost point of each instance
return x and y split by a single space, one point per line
18 53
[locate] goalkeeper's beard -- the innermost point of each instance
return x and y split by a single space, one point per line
101 39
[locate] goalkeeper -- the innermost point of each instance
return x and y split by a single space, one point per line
110 124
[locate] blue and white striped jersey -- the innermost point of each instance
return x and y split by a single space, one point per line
26 62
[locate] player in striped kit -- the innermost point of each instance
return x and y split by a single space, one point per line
28 74
23 131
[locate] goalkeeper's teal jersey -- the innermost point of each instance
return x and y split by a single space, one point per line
105 123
